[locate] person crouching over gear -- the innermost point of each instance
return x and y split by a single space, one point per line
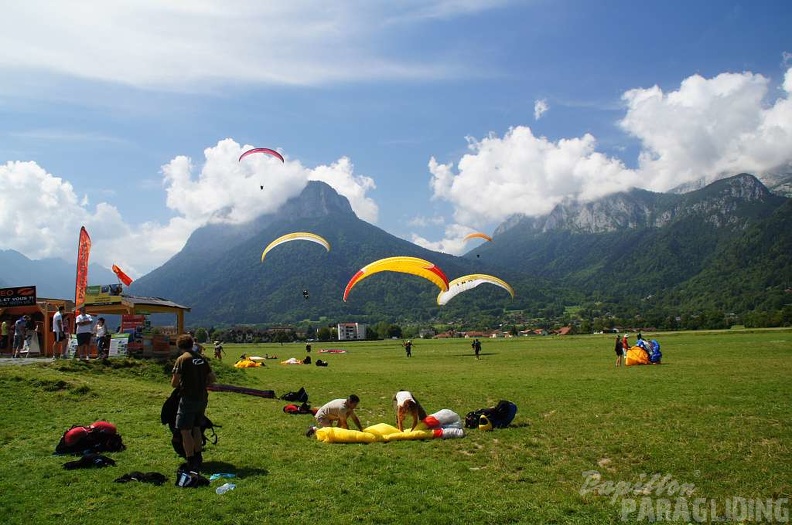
339 411
405 403
191 375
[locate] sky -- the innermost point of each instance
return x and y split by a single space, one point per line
435 118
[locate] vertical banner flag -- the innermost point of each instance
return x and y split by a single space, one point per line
83 251
124 278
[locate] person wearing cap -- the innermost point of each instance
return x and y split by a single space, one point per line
408 348
218 350
625 344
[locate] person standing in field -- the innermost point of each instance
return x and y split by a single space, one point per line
476 344
102 339
408 347
20 333
191 375
4 335
84 323
58 335
619 351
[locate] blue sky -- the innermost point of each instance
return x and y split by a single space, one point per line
435 118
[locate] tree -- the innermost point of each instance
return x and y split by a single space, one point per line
324 334
201 336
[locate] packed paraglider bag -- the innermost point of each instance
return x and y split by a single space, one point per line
301 396
79 440
500 416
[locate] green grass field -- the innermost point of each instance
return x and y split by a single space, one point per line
714 418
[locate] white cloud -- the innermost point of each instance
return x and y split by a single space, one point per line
540 108
41 214
707 128
522 173
198 45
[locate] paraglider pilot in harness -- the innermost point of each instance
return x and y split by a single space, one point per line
191 375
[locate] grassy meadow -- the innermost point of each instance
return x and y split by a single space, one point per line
715 417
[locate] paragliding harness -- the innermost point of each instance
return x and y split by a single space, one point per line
168 417
301 396
305 408
501 415
82 440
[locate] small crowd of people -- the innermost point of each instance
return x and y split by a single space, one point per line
622 345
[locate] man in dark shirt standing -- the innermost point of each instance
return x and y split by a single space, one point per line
191 375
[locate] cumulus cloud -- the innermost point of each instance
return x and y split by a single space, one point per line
522 173
709 128
540 108
706 129
41 214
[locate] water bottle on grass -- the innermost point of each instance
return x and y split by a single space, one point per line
225 487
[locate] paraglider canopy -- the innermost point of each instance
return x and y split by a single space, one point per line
296 236
478 235
401 264
266 151
468 282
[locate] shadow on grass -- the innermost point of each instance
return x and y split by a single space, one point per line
241 472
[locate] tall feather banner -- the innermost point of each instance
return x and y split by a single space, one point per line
83 252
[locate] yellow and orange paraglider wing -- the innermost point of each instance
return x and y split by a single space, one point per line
401 264
467 282
478 235
296 236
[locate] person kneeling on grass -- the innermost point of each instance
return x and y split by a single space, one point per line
337 410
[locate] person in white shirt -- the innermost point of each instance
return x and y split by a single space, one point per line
84 323
405 403
102 339
59 335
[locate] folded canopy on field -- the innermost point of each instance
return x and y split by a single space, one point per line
296 236
400 264
644 353
467 282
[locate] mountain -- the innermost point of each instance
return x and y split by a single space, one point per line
637 251
219 272
53 278
644 250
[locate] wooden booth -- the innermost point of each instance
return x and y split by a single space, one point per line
41 313
143 339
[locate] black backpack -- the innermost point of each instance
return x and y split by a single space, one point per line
301 396
501 415
168 417
91 441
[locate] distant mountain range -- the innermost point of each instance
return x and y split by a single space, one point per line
722 250
54 278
